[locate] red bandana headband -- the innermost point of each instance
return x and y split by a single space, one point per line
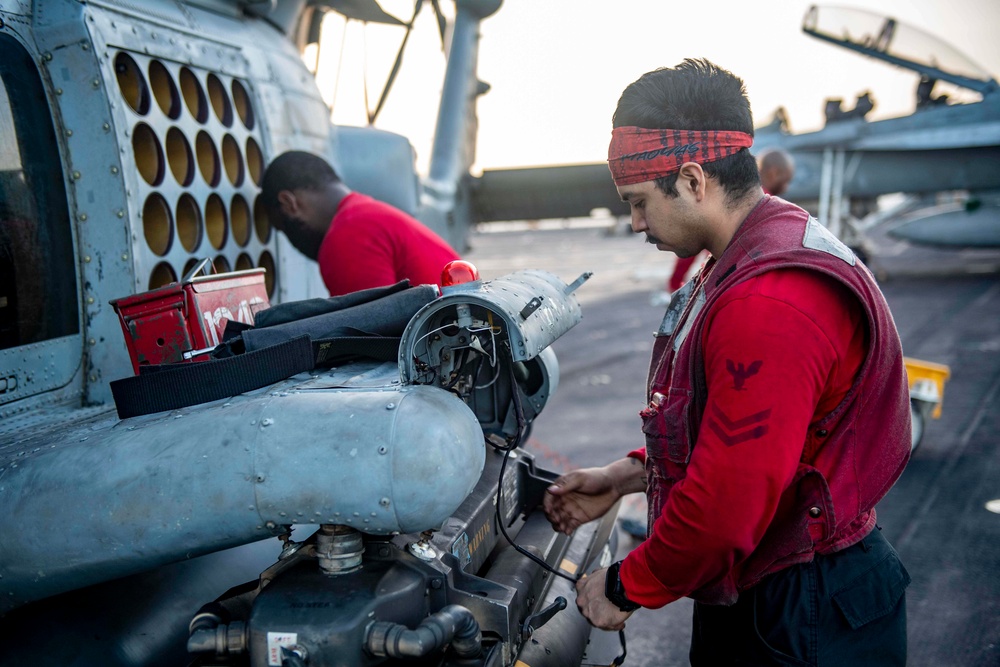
637 154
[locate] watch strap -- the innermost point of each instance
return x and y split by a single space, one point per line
615 591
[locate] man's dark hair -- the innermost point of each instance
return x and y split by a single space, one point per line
294 170
694 95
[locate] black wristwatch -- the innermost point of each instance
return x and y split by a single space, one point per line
614 591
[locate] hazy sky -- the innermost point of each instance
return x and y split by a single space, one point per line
557 67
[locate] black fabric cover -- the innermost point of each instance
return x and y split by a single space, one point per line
300 310
384 316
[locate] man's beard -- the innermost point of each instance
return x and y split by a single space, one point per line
305 239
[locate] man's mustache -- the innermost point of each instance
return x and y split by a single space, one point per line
652 240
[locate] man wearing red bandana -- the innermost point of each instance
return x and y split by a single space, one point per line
777 168
777 413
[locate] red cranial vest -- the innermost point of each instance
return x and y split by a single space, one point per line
865 440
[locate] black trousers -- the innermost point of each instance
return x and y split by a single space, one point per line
846 608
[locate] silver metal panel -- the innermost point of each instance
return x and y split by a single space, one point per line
22 7
47 372
163 12
29 370
45 421
379 164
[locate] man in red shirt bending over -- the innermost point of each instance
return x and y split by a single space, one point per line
777 412
359 242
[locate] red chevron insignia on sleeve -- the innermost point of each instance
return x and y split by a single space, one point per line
733 432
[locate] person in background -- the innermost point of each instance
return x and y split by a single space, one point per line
358 242
777 168
777 410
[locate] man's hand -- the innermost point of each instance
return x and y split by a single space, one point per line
578 497
595 606
586 494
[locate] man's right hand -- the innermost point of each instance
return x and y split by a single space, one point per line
586 494
578 497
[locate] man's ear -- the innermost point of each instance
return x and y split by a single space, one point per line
691 179
288 203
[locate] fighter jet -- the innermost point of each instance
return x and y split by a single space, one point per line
944 157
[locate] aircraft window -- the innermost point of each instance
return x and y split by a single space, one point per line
239 218
148 154
215 221
156 224
243 106
132 83
162 275
194 95
260 221
243 262
233 160
188 223
38 295
266 262
220 101
208 158
179 156
255 161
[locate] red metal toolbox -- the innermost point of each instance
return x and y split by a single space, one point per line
184 321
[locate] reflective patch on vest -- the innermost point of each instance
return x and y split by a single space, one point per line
820 238
678 302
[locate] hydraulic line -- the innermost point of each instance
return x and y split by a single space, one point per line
453 624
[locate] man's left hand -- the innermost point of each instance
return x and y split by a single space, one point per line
595 606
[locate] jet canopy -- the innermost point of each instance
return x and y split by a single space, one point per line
897 43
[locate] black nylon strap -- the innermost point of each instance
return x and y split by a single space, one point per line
329 351
182 385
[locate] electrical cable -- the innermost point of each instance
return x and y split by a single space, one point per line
521 426
617 662
521 550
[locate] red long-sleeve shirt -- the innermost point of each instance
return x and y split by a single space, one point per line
809 335
371 244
